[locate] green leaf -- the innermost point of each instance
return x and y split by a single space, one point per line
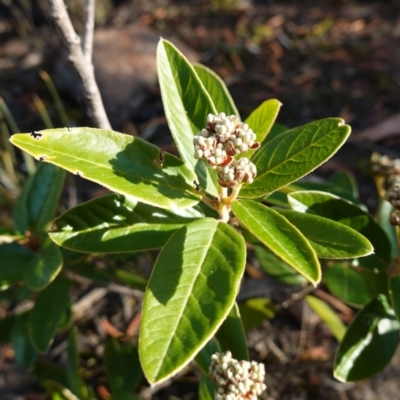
203 357
217 90
38 201
276 130
262 119
75 381
347 284
394 291
186 104
191 290
122 366
345 181
330 239
332 207
47 265
58 391
231 335
115 223
369 342
254 311
384 211
122 163
15 259
207 388
299 151
332 321
280 236
25 352
47 312
274 266
123 395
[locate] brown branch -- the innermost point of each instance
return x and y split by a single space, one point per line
83 67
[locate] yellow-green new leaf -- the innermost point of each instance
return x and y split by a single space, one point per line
122 163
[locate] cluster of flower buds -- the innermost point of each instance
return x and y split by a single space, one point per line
385 167
393 197
236 380
223 138
239 171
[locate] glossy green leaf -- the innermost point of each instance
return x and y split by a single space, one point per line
47 265
25 352
280 236
231 335
122 365
38 201
15 259
274 266
217 90
332 207
203 357
207 388
394 290
254 311
75 381
122 163
186 104
191 290
47 312
347 284
330 239
332 321
369 342
299 151
115 223
276 130
262 119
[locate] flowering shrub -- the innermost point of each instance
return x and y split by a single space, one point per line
197 211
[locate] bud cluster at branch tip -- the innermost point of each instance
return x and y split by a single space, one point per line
223 138
236 380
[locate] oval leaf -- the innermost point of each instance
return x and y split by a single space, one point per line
217 90
122 163
262 119
231 335
48 263
47 312
299 151
394 287
329 239
191 290
186 105
280 236
37 204
116 223
332 321
369 342
330 206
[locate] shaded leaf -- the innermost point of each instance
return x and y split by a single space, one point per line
122 366
190 292
369 342
394 290
38 201
231 335
47 312
329 239
346 181
217 90
186 104
383 218
122 163
254 311
280 236
115 223
207 388
293 155
332 321
203 357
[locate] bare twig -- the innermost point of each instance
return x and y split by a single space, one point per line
83 67
89 27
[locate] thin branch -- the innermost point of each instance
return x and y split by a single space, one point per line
89 28
84 68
